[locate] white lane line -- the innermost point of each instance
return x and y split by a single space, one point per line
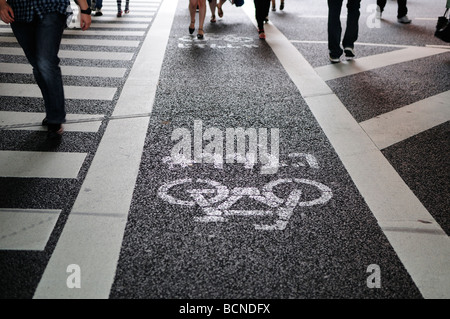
319 17
400 124
105 33
92 236
40 164
423 248
90 42
99 42
70 92
438 46
8 39
20 68
357 43
110 18
136 12
17 120
120 25
26 229
334 71
69 54
91 33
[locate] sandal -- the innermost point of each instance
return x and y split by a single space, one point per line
213 19
191 30
200 35
220 11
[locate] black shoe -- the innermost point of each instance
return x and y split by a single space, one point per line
54 131
349 53
44 122
200 35
334 58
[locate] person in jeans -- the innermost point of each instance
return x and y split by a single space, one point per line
335 29
38 26
401 12
119 7
97 6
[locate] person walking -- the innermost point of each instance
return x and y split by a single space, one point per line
119 7
96 6
335 29
402 10
274 5
213 4
261 13
38 27
201 4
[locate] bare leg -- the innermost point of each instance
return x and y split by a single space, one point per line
212 7
192 9
219 7
201 17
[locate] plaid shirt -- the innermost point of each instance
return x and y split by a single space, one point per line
26 10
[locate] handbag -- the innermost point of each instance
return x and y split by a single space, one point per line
443 27
240 3
442 21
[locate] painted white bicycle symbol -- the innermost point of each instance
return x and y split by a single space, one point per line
216 200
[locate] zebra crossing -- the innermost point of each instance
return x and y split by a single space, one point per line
108 50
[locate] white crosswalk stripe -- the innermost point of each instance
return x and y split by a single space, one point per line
26 229
32 121
30 229
68 54
40 164
20 68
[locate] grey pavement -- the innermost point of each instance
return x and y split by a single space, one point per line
230 168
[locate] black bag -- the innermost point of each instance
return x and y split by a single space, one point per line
443 28
442 21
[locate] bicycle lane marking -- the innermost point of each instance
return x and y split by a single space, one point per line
92 236
399 213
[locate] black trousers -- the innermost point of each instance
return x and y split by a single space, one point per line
402 9
262 11
335 28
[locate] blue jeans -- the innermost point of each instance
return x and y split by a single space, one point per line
98 3
40 40
335 28
119 5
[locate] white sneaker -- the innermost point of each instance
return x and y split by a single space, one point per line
404 20
349 53
334 59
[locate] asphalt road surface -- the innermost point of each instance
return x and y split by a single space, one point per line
230 167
